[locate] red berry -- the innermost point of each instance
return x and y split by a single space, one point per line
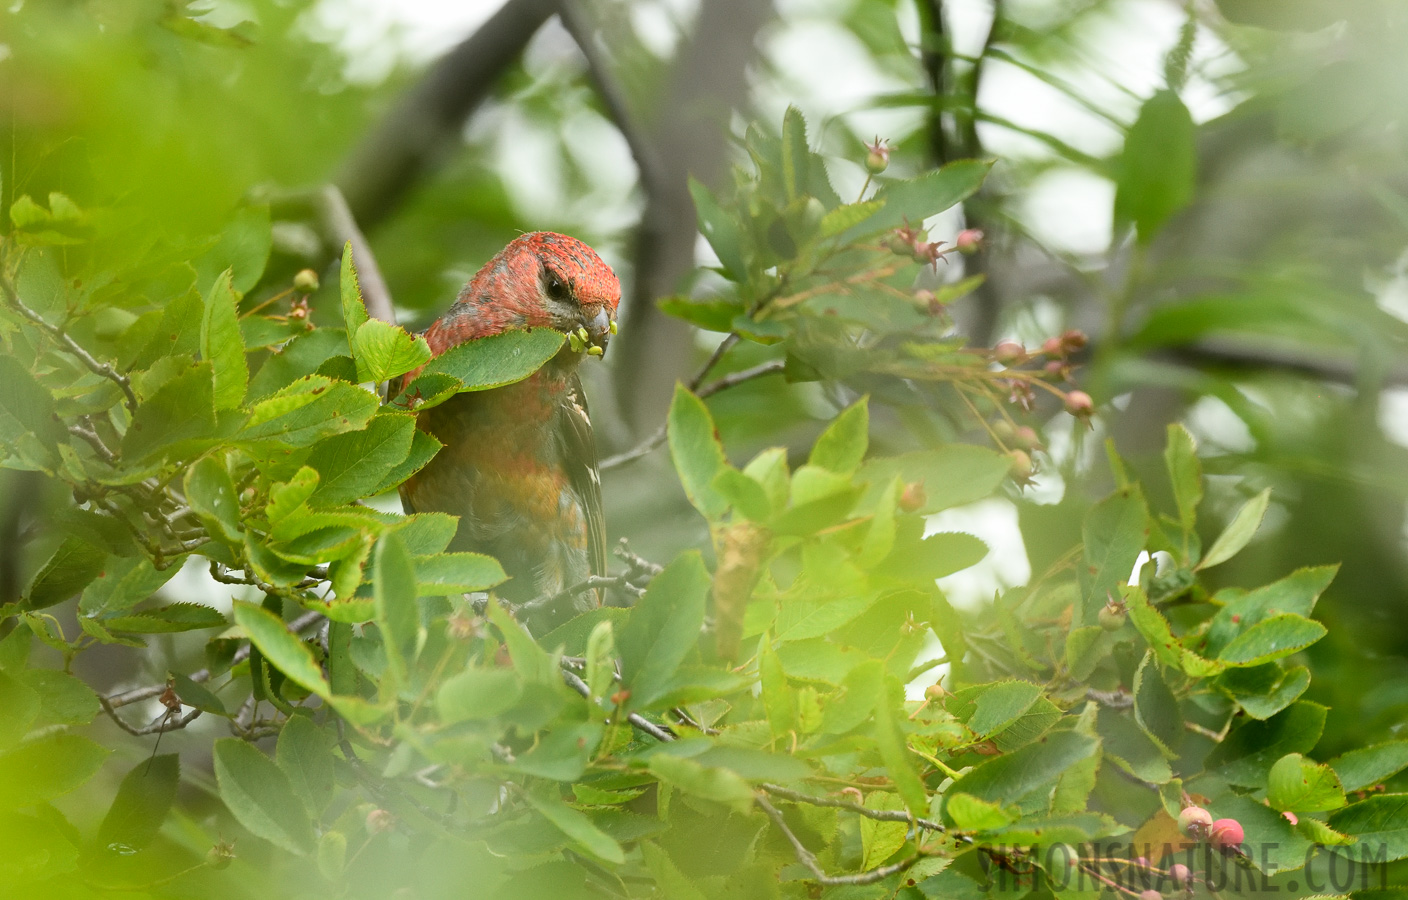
1079 404
1226 833
1195 821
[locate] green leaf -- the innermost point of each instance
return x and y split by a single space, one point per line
222 345
243 249
1271 639
182 409
697 454
443 574
143 800
1380 823
952 475
779 700
47 767
309 410
710 783
1159 168
1367 766
721 231
123 583
662 629
745 495
796 157
1010 777
1156 631
384 351
259 795
397 613
168 619
1114 532
713 314
305 754
880 840
477 694
282 648
578 828
1303 785
194 694
843 218
350 466
26 406
842 446
495 361
1263 691
19 707
210 492
928 195
971 814
1238 532
995 706
1185 472
354 311
1155 707
1246 755
894 751
423 450
68 570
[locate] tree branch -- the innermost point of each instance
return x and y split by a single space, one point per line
662 734
808 859
414 135
123 383
879 815
162 725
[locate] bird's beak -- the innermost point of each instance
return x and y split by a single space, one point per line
599 329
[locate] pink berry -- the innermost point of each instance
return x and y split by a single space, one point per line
968 241
1052 346
1079 404
1021 466
1181 874
1008 352
1150 895
1195 822
1226 833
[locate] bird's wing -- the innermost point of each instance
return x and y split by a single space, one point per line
580 461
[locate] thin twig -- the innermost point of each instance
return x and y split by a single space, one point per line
664 735
879 815
161 725
1112 699
808 859
340 225
733 379
137 695
593 582
97 368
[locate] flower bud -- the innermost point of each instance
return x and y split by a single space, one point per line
877 158
1079 404
379 820
220 856
913 497
1052 346
1226 833
968 241
306 281
1195 822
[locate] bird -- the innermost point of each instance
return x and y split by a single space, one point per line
519 462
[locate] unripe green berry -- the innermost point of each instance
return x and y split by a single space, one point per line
1110 618
1195 822
306 281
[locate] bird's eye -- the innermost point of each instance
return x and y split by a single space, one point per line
557 289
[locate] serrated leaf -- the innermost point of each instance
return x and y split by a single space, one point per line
351 465
173 617
309 410
305 754
1114 532
69 569
720 230
1367 766
843 218
1271 639
397 613
443 574
1303 785
842 446
1155 707
578 827
47 767
697 454
385 351
210 492
1185 473
259 795
477 694
281 648
1246 755
222 344
708 782
496 360
917 199
1379 822
662 628
354 310
1009 778
880 840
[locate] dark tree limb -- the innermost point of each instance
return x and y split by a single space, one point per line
426 123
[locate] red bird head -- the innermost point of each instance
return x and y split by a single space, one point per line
540 280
